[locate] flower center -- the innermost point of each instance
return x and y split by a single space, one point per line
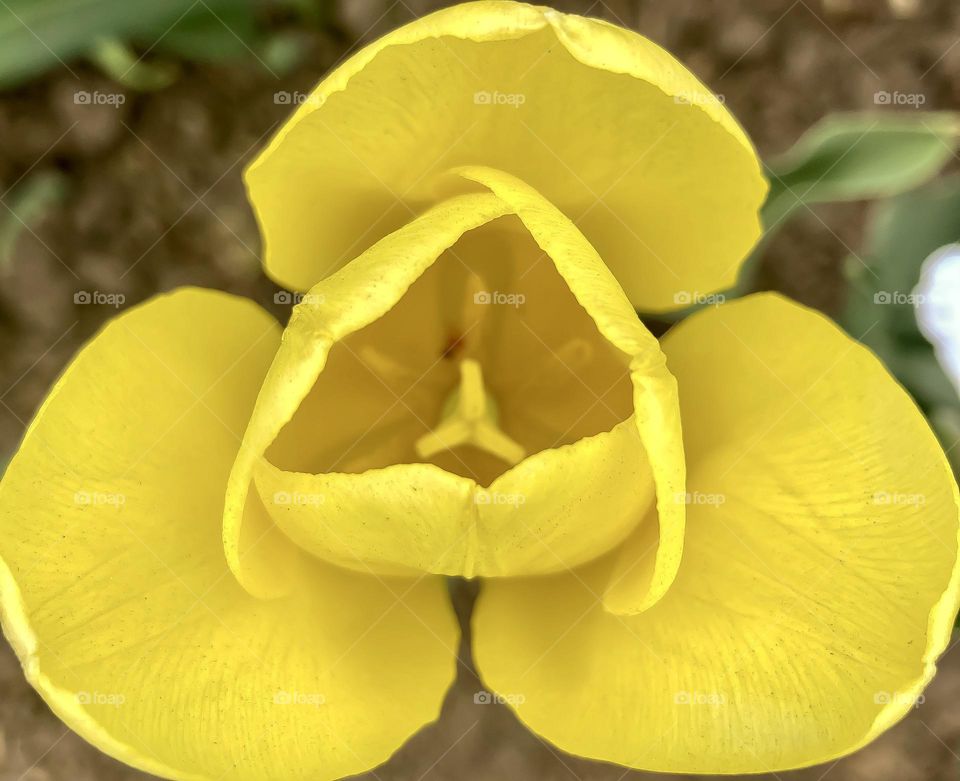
470 417
486 359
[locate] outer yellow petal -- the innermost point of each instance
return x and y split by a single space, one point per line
116 597
819 580
417 517
601 121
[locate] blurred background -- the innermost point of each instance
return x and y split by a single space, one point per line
125 127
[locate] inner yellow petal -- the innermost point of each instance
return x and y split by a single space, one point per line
473 396
488 357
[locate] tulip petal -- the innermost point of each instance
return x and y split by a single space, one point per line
536 93
556 509
633 588
819 580
420 518
116 597
343 304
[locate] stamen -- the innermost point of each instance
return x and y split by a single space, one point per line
470 418
383 365
392 373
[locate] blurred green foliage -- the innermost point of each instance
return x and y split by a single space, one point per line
902 232
26 202
852 157
38 35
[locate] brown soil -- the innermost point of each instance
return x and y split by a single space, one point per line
154 201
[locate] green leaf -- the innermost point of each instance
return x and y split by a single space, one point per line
39 34
852 157
859 157
227 32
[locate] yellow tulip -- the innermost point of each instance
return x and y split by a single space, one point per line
223 546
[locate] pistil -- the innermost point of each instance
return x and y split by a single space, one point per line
470 418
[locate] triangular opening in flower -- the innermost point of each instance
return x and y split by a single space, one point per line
492 318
